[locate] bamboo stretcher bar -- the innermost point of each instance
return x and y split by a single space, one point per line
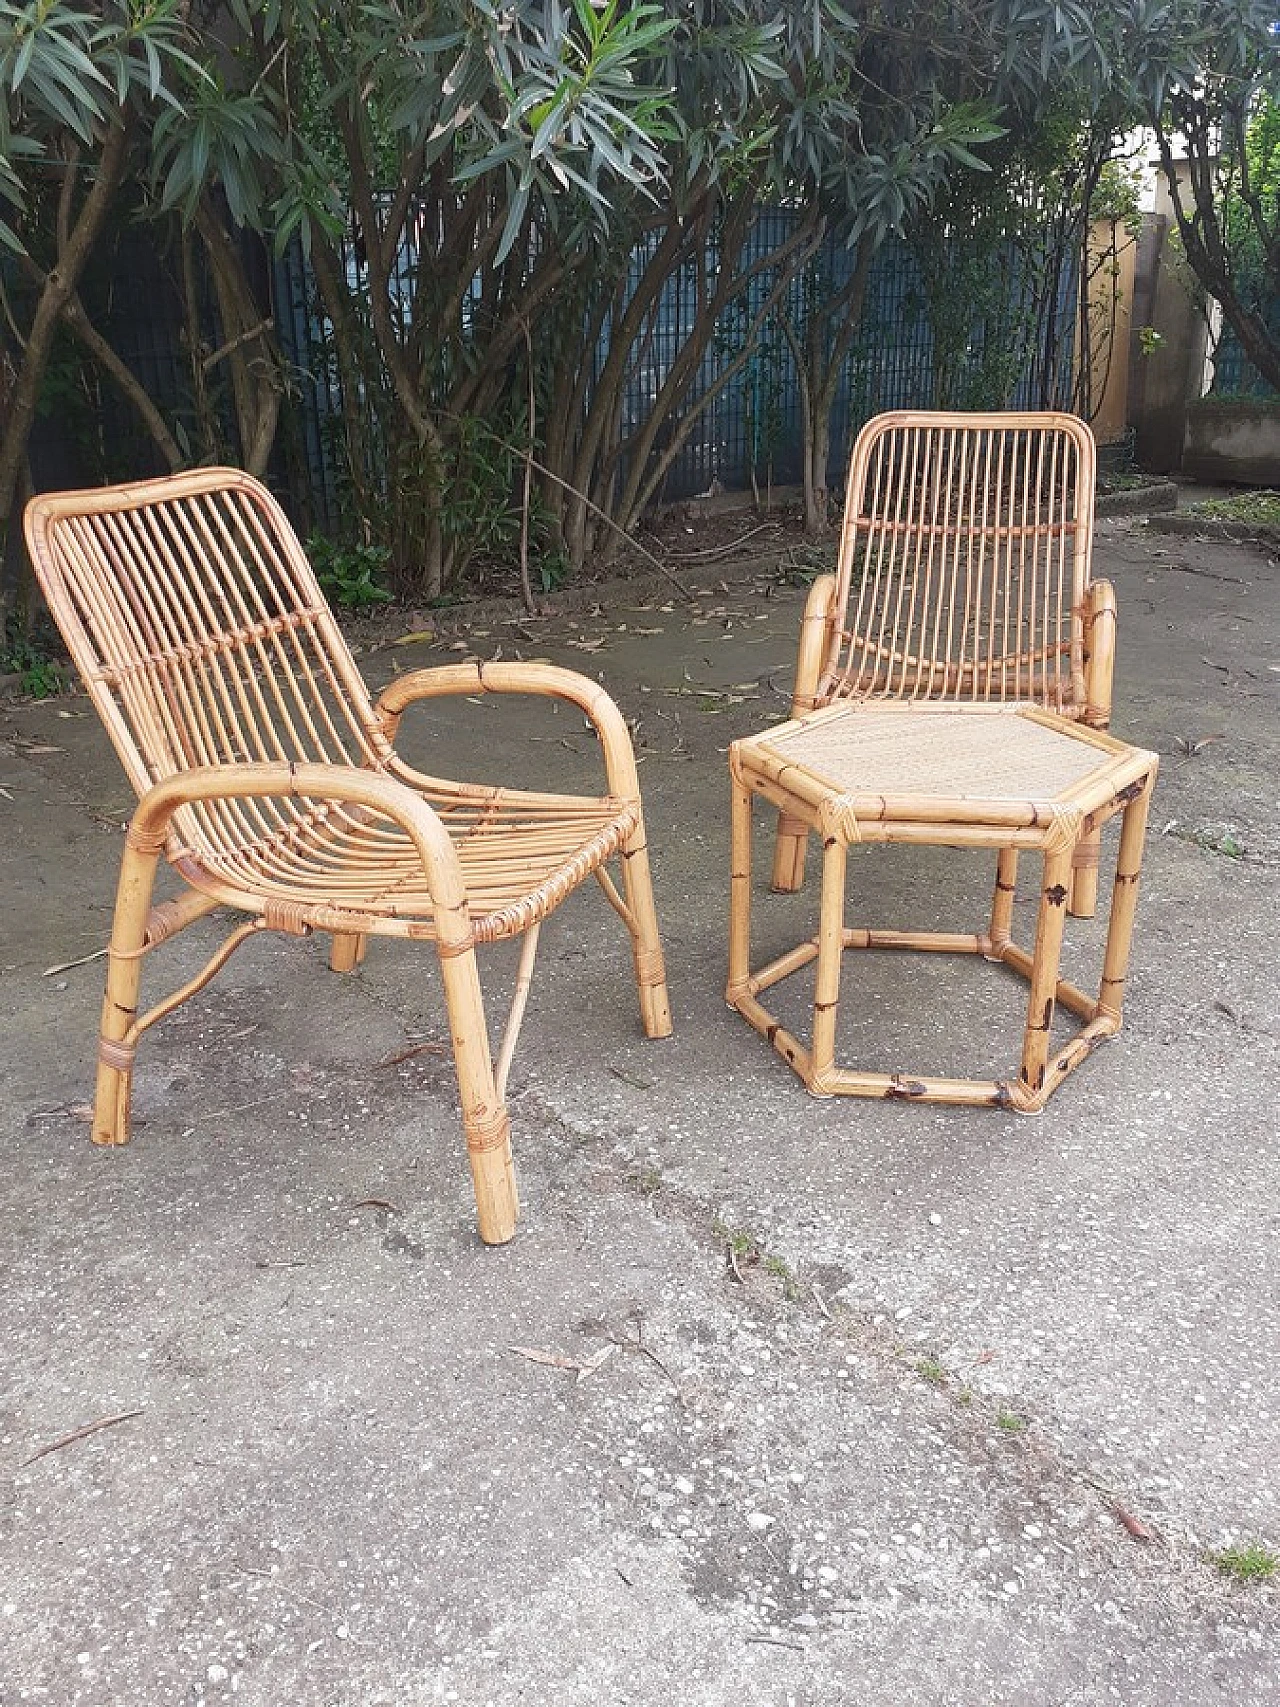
1067 995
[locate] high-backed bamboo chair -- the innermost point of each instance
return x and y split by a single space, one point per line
964 574
271 782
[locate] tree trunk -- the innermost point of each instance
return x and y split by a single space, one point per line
354 382
819 366
249 347
59 286
1206 253
125 381
647 473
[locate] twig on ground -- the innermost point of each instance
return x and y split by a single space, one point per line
413 1049
724 550
66 965
629 1079
637 1344
81 1433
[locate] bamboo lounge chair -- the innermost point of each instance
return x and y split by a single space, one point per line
965 575
270 781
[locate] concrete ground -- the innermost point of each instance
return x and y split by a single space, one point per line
874 1404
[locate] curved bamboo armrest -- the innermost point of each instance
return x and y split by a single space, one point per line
1100 652
815 633
547 680
150 822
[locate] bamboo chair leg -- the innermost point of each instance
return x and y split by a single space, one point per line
739 891
826 992
120 1003
815 636
1084 877
788 855
1124 904
1044 973
485 1122
348 951
1001 929
646 944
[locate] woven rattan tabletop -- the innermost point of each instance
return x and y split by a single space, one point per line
980 753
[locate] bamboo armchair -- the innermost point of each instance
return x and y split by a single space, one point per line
270 781
964 575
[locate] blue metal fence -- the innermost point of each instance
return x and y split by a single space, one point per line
1234 375
936 330
916 346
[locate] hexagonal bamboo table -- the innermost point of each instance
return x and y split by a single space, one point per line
1012 778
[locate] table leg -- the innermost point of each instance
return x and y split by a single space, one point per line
826 993
1124 903
1044 971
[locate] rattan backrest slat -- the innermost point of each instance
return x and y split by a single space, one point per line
203 638
965 559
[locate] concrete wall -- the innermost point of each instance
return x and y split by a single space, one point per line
1233 441
1111 270
1163 383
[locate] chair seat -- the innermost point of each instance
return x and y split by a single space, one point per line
337 866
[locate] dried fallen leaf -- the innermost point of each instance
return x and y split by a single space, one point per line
1136 1527
628 1079
415 637
595 1360
1189 747
552 1358
64 1110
